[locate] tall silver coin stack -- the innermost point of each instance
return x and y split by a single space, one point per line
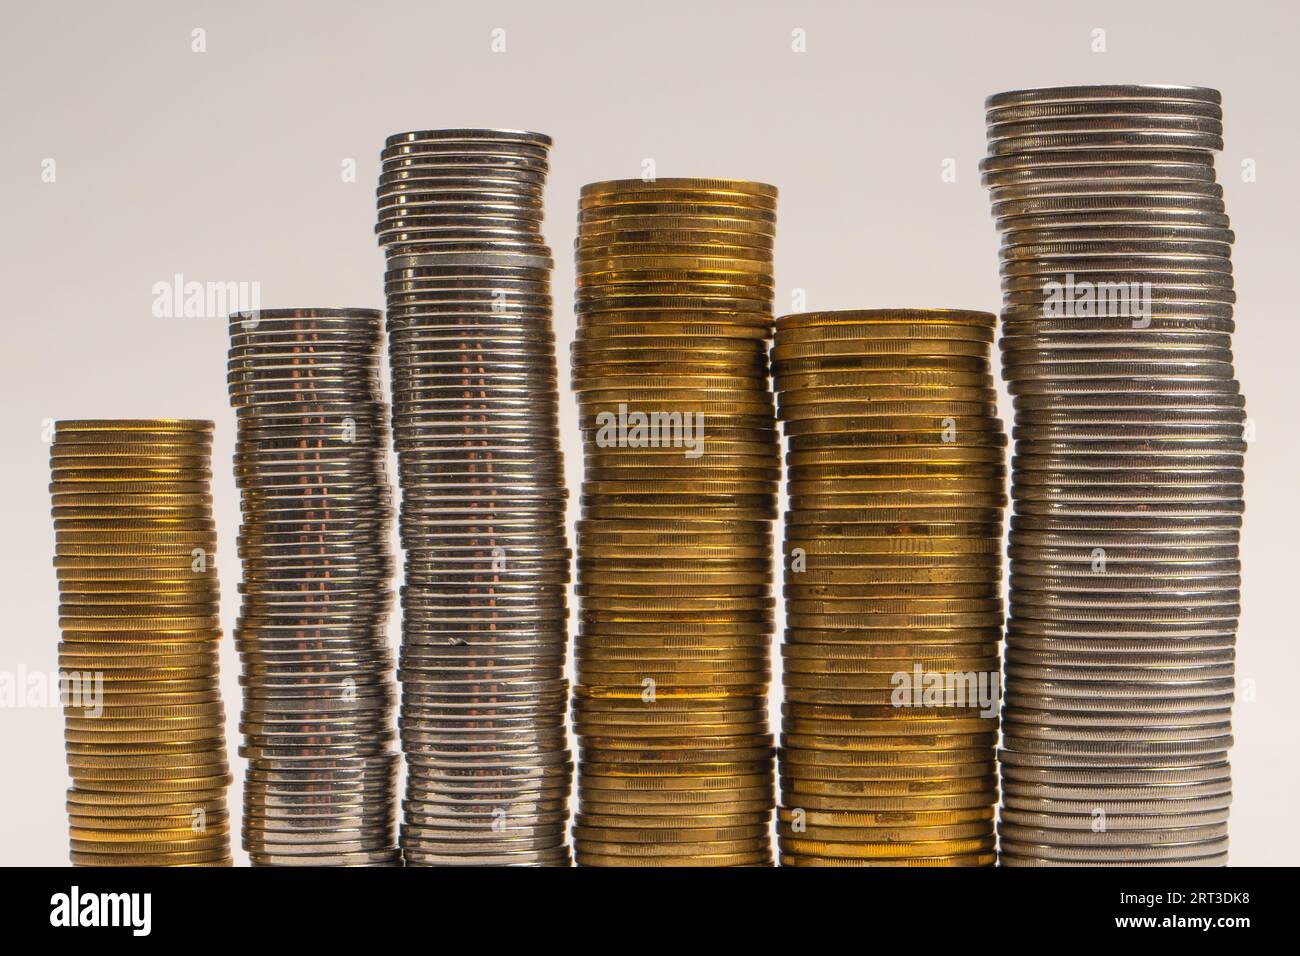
318 685
476 428
1127 475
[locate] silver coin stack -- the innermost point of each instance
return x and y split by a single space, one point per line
1127 475
476 428
318 685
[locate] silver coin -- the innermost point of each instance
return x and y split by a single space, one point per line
1103 93
1210 853
1107 762
1134 196
524 138
1187 136
462 164
401 177
409 343
1085 153
1153 105
469 307
1082 171
1003 128
1135 253
1080 777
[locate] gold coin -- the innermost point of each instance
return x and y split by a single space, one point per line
592 193
798 759
889 371
885 834
803 788
903 729
882 742
865 850
725 782
884 818
708 626
178 844
733 746
711 819
664 794
151 818
684 331
691 247
651 202
634 839
613 649
887 331
757 805
978 661
723 221
126 759
902 805
586 857
649 734
887 353
888 316
590 262
839 695
969 859
664 850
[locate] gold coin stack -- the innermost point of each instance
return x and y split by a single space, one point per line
138 610
670 366
895 477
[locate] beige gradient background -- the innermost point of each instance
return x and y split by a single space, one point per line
225 166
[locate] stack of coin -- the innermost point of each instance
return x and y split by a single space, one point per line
1127 475
476 426
145 730
317 679
893 568
670 366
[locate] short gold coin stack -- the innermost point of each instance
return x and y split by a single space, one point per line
892 556
674 303
138 609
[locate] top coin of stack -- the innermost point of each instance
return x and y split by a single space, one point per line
893 604
145 729
674 303
476 427
1127 475
318 679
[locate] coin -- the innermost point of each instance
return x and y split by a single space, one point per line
1128 449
